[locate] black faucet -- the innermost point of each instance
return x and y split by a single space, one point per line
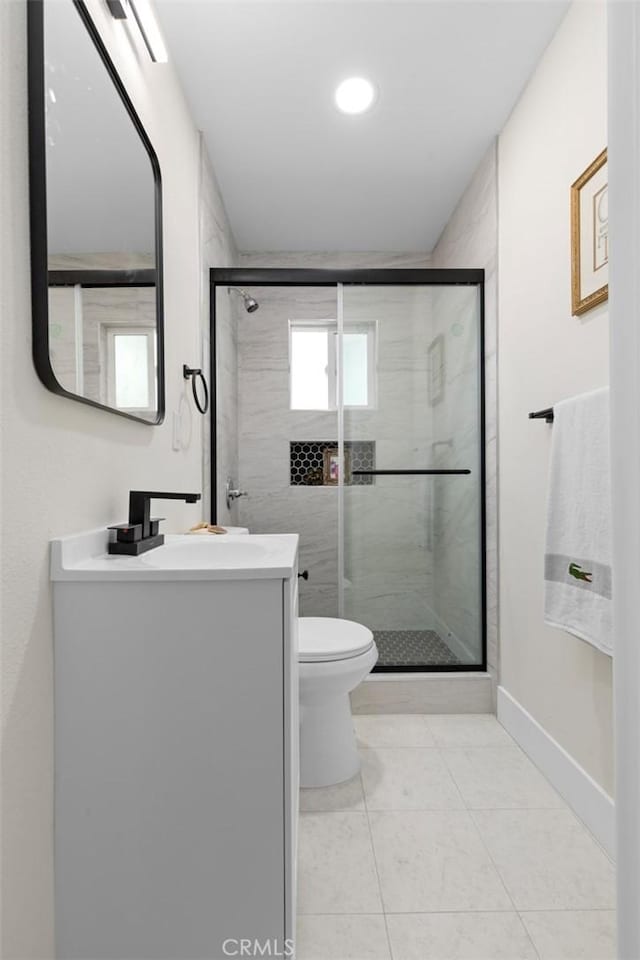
141 533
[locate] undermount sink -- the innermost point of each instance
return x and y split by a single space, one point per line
193 553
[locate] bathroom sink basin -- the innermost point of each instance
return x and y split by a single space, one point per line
181 557
193 553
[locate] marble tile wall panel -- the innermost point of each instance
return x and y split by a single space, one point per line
108 260
344 260
227 406
392 583
311 512
102 307
62 336
217 249
439 693
388 565
381 588
130 306
470 239
266 425
456 500
409 432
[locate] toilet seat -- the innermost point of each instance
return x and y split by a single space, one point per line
321 639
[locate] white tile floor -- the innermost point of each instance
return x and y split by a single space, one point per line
450 845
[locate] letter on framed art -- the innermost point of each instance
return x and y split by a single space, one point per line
590 237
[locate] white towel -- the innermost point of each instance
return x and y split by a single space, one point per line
577 569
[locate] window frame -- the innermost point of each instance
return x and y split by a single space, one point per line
109 333
330 327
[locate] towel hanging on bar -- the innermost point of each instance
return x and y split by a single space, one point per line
577 568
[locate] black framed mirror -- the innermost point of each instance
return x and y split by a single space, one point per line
96 222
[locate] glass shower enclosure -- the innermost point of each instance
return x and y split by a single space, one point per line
388 367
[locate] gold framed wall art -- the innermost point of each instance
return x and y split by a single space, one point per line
590 237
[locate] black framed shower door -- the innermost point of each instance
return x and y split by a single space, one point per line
327 277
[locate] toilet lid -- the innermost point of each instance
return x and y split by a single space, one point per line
328 638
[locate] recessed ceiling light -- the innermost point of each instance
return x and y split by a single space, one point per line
355 95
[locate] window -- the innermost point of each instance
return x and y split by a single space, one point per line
131 368
312 353
313 364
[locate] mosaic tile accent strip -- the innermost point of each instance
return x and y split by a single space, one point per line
414 648
306 460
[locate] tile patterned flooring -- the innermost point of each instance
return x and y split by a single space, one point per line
412 648
449 845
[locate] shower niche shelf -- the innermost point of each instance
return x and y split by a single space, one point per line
306 461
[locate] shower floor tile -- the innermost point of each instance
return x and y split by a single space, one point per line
416 648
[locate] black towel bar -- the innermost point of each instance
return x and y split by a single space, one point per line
546 414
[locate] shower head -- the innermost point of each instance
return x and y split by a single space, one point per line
250 304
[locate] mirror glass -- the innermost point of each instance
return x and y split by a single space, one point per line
103 300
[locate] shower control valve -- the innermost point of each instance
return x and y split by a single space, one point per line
231 493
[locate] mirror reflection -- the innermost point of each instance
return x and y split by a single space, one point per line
103 285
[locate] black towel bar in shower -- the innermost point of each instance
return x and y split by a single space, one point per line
546 414
409 473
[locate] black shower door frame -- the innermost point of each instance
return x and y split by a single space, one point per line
327 277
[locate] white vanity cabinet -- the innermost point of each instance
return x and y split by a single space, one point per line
176 750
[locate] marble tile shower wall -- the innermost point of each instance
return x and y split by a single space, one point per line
217 248
336 260
102 308
227 402
456 500
388 548
266 425
373 522
389 532
470 239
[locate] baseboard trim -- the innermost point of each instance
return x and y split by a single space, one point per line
588 800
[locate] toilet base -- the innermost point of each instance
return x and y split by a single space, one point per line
328 752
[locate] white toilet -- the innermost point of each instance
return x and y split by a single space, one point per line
334 656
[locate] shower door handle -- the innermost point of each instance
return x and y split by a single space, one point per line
408 473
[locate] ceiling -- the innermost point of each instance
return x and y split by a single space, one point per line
296 174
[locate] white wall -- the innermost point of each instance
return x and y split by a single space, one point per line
65 466
558 127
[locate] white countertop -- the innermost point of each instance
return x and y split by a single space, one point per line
84 556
